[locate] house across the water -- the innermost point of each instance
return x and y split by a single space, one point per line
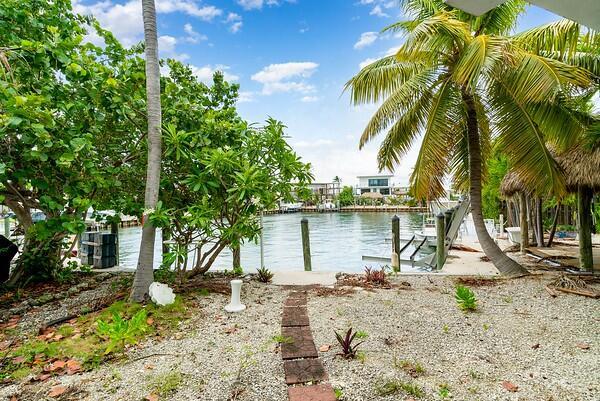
381 183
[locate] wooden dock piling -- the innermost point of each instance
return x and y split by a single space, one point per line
306 244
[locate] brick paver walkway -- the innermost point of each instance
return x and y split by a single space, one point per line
300 358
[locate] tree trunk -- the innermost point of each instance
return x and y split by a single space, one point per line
237 257
584 219
554 223
539 221
505 265
144 274
523 222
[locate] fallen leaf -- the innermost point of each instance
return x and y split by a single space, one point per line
583 345
43 377
150 321
535 346
152 397
73 367
56 365
4 345
58 337
231 329
57 391
513 388
18 359
14 398
149 367
324 348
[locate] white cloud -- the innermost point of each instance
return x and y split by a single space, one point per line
258 4
205 74
309 99
286 77
378 11
166 47
245 97
366 62
236 22
192 35
125 20
366 39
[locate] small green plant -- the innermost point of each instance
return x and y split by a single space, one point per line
361 356
473 374
264 275
414 369
362 335
486 327
166 384
394 386
508 299
465 298
444 391
445 329
120 331
279 339
339 394
348 348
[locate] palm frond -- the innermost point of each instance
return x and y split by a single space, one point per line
379 79
397 104
560 36
423 9
500 20
482 53
524 143
427 178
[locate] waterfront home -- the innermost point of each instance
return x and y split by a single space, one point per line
325 191
381 183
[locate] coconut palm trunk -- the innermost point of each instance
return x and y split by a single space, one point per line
503 263
145 274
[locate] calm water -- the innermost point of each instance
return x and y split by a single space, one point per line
337 241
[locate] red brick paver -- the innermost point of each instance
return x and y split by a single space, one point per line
301 344
319 392
295 301
304 371
294 316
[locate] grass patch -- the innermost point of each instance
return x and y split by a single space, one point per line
279 339
414 369
395 386
165 384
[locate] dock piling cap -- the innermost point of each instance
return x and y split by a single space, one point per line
395 217
440 215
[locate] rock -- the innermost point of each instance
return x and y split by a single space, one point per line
161 294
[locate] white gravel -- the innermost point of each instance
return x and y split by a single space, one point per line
471 353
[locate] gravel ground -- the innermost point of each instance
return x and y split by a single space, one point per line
518 334
207 351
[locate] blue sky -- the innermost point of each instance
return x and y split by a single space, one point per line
291 59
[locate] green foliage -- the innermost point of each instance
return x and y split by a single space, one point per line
166 384
120 331
346 197
279 339
264 275
444 391
339 394
349 348
390 387
490 192
465 298
362 335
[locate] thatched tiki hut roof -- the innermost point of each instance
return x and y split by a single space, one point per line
372 195
511 185
581 167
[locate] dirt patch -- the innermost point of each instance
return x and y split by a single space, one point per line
477 281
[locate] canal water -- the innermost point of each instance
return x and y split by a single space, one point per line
338 241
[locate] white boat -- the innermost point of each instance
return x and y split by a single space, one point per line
290 207
428 233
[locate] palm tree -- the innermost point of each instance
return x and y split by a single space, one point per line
144 274
461 82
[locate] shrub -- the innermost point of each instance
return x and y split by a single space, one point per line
348 348
375 277
465 298
264 275
120 331
394 386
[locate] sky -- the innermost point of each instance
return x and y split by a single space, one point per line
291 59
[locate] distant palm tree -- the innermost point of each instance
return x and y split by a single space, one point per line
460 81
337 179
144 274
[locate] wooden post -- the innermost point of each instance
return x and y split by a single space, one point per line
523 222
584 219
441 240
306 244
114 229
448 215
396 243
262 242
501 223
7 227
539 222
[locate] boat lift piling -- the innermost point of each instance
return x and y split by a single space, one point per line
306 244
440 223
396 243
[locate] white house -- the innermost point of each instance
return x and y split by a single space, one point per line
381 183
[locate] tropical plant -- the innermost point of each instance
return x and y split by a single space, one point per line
120 331
346 196
349 350
264 275
461 81
144 274
376 277
465 298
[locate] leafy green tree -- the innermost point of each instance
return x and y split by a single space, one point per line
66 124
460 80
346 196
491 200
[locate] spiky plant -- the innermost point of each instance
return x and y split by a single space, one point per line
264 275
465 298
346 342
376 277
459 82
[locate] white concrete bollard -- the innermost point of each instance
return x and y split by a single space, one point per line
235 305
